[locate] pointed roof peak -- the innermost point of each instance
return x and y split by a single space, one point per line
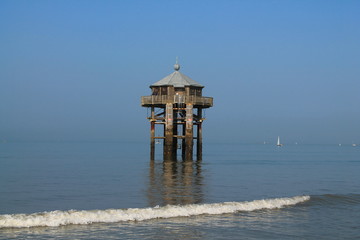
177 65
177 79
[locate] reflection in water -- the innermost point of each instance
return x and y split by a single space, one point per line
175 183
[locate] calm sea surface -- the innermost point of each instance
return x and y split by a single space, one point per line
111 190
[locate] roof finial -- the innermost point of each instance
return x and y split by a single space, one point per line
176 65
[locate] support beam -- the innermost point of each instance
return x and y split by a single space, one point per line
175 133
152 135
189 133
152 141
168 132
183 142
199 136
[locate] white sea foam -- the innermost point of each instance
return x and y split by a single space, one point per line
59 218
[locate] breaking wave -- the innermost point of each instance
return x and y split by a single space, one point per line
60 218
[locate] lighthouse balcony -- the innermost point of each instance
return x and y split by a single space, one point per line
161 100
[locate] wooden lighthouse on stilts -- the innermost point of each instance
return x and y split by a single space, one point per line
177 105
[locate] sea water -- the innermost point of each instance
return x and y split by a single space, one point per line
111 190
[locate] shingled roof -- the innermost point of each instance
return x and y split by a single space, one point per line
176 79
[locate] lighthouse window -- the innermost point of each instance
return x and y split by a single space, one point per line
178 89
155 91
163 90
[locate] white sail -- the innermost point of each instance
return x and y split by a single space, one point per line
278 142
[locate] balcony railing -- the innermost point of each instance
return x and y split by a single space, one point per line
147 101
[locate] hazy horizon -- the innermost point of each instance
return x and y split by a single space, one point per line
75 70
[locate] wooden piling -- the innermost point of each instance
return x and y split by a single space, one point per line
152 135
189 133
168 145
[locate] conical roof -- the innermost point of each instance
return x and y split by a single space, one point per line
176 79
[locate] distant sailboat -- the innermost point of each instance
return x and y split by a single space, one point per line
278 142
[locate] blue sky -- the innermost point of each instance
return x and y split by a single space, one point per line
75 70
